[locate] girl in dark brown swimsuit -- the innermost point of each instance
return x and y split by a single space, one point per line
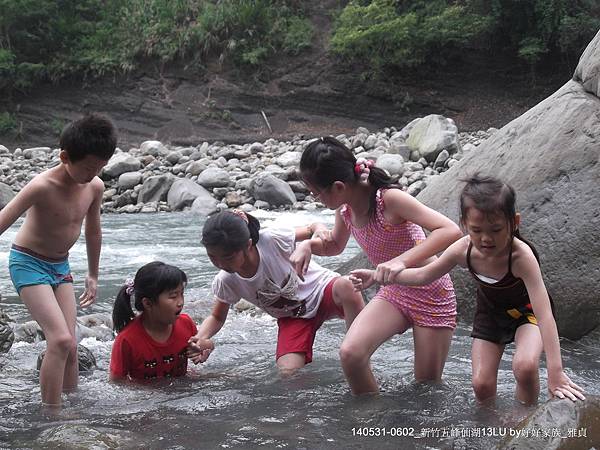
512 301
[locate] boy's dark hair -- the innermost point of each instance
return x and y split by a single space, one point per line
150 281
327 160
93 134
229 231
490 196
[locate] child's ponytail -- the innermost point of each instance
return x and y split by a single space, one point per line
122 312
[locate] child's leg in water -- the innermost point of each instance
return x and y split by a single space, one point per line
376 323
57 322
431 350
526 361
65 295
347 299
485 360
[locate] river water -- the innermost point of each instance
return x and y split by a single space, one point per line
237 399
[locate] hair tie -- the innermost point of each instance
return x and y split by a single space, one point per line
240 213
129 288
362 168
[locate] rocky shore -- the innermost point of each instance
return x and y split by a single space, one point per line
261 175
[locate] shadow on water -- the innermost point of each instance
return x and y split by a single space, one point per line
237 399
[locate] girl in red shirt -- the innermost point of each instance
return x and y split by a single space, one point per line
152 344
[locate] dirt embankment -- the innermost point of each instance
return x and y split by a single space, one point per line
312 94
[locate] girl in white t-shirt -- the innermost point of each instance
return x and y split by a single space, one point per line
255 265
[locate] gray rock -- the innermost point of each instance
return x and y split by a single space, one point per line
205 205
155 188
441 159
4 150
6 194
587 72
120 163
289 159
394 164
174 157
563 415
36 152
7 335
183 192
270 189
153 148
432 134
213 177
195 168
128 180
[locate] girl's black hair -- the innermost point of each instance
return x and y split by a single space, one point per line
150 281
327 160
490 196
229 231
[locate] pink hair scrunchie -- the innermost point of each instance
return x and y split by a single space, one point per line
362 168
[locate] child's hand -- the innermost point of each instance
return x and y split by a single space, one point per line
324 234
561 386
89 294
199 349
362 279
300 258
386 272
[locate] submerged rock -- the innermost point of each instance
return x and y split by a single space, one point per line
82 437
7 336
558 425
87 361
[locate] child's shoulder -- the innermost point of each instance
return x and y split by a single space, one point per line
523 257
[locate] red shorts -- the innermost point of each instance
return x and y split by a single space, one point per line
297 335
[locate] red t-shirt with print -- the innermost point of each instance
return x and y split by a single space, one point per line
137 355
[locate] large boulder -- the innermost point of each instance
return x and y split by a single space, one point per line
156 188
183 192
432 134
272 190
550 156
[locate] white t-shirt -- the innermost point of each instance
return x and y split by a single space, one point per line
276 288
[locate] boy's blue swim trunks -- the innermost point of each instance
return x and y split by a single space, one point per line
28 268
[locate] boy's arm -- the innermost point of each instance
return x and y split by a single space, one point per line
93 242
200 345
24 200
527 268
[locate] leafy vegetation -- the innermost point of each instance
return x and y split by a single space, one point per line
402 34
54 39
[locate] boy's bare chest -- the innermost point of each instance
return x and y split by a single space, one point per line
62 206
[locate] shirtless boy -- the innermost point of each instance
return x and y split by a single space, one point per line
57 201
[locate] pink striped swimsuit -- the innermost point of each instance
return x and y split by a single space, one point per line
432 305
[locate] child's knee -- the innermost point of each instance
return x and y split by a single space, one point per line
352 355
64 344
344 292
484 388
526 370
